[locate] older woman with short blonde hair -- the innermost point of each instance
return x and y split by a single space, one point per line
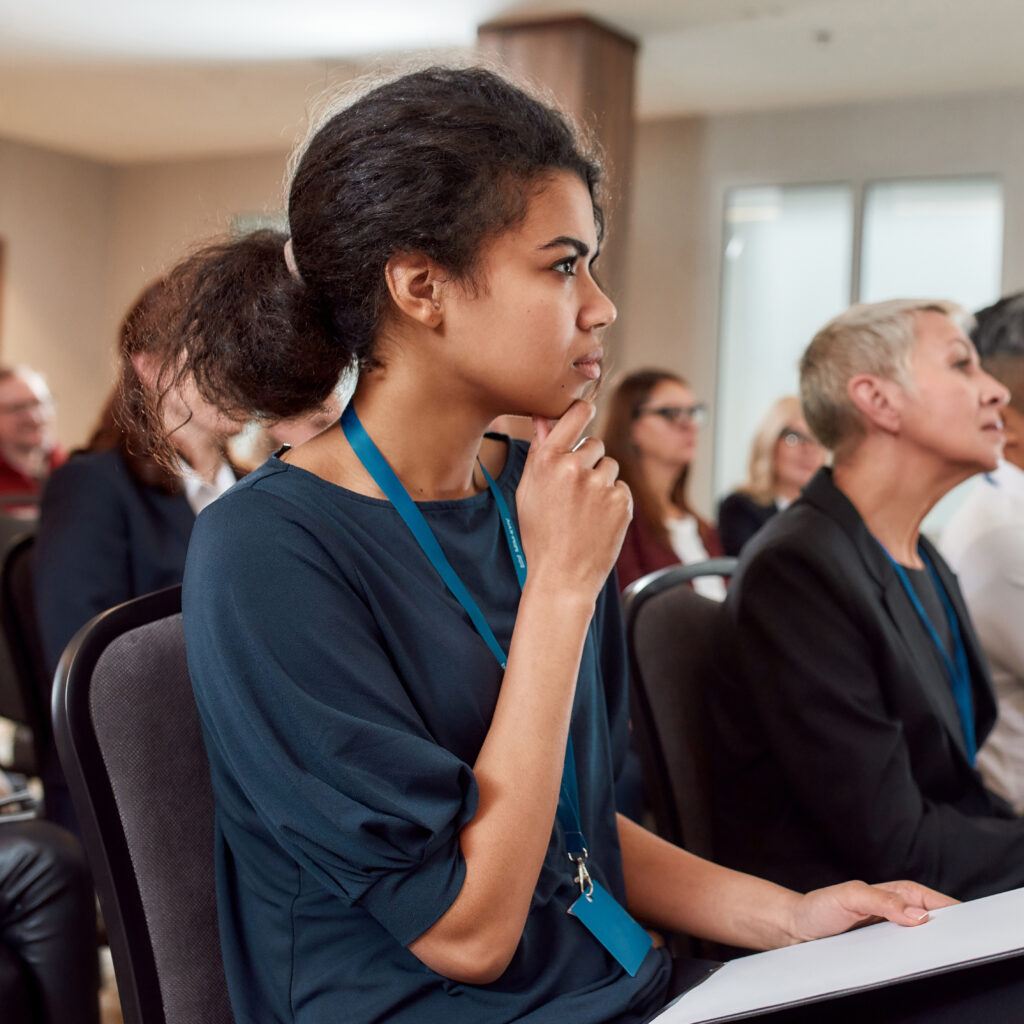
848 735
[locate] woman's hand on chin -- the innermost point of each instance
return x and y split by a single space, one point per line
573 509
839 908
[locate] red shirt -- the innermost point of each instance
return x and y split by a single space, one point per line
14 482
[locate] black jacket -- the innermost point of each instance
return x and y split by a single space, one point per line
840 752
103 538
739 518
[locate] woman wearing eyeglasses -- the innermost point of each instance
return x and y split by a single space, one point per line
652 429
783 458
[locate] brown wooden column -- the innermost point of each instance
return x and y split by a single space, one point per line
590 69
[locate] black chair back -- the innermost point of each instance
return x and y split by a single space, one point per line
673 635
24 679
129 739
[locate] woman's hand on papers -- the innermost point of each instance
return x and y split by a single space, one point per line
839 908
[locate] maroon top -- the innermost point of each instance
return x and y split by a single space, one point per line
13 482
642 552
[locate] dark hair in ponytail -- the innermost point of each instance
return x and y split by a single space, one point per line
438 161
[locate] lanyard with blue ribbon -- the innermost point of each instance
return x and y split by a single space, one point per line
956 667
622 938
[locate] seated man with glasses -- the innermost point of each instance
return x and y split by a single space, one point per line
783 458
28 451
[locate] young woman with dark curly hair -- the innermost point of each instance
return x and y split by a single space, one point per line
392 705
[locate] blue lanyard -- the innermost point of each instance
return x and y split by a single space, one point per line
384 476
956 668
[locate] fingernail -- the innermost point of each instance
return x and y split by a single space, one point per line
917 913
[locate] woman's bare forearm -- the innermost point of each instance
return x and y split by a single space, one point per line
669 888
518 773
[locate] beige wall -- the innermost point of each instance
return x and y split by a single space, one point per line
55 223
682 172
663 316
160 211
82 238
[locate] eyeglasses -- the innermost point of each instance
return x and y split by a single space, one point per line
680 415
20 408
792 438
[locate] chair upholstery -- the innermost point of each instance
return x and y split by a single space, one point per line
129 739
24 680
673 637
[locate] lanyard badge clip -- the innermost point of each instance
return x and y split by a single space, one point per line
582 878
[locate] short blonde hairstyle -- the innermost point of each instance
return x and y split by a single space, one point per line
760 483
870 337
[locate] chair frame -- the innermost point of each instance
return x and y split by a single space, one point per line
93 796
652 752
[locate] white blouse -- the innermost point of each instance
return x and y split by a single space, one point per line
684 537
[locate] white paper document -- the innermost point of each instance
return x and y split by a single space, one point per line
963 934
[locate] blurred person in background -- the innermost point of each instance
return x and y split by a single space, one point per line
984 544
651 429
783 458
114 522
28 450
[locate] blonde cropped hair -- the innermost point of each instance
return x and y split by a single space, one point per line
760 484
870 337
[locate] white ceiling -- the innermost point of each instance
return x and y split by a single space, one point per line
136 80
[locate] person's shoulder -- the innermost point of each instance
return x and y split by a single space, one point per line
508 459
277 505
740 503
56 457
251 526
800 526
989 514
799 543
86 471
84 461
261 493
984 547
737 499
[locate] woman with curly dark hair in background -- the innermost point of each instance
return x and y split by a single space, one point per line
114 522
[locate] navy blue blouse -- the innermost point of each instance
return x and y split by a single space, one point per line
344 696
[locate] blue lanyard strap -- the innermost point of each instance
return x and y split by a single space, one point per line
515 549
384 476
956 668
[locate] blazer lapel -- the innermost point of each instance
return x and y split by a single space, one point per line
981 680
934 682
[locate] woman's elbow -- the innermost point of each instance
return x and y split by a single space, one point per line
477 959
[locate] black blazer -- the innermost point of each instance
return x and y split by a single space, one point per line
840 752
739 518
103 538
